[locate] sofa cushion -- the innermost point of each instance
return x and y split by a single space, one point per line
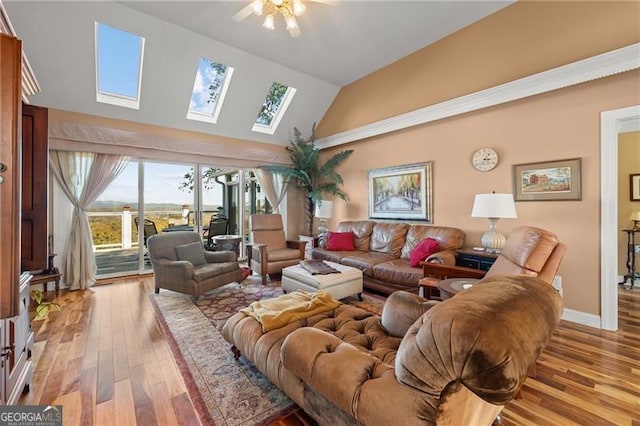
282 254
447 238
191 252
424 249
333 256
340 241
211 270
365 261
361 230
398 271
388 238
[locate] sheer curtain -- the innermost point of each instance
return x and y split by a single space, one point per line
274 186
83 176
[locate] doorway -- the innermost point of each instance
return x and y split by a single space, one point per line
611 124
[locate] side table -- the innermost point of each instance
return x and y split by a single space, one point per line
46 278
631 274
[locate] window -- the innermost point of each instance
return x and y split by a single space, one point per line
273 109
118 66
209 89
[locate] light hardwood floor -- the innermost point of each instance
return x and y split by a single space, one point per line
105 360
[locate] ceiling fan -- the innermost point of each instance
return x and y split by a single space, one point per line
289 9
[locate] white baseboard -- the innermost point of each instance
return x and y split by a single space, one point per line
590 320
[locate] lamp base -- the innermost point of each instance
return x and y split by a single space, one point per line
492 240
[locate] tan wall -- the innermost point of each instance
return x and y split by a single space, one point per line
522 39
628 163
557 125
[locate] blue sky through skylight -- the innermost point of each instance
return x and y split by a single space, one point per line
119 56
207 86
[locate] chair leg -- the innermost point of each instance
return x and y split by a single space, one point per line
360 297
157 290
264 278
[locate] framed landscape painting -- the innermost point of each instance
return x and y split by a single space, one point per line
547 180
403 192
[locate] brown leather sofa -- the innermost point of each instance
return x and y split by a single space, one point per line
383 249
456 362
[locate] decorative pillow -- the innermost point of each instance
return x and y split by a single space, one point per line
423 249
192 252
340 241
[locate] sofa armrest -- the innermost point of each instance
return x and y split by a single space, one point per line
171 270
443 272
256 251
220 256
299 245
401 310
444 257
318 358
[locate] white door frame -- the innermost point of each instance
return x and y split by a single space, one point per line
611 124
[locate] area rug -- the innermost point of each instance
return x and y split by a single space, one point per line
223 390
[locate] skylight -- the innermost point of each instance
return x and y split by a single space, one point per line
274 107
209 89
118 66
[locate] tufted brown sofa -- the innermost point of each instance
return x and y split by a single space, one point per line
383 250
422 362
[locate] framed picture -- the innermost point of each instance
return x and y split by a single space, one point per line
403 192
547 180
634 186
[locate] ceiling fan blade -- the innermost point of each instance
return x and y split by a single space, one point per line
327 2
244 12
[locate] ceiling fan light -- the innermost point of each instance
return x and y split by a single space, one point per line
298 7
256 6
269 22
291 22
277 2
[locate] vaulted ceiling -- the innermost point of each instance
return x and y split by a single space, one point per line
341 41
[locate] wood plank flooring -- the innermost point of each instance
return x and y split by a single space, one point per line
104 358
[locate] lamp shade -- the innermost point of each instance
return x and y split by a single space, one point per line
634 216
494 205
324 209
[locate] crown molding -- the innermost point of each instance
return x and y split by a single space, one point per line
599 66
30 85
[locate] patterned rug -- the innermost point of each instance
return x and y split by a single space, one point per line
223 390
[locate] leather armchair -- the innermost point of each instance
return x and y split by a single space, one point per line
171 270
268 251
528 251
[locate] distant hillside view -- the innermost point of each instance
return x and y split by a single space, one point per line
107 229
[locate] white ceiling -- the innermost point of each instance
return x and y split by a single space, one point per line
340 43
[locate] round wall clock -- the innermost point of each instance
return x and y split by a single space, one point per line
484 159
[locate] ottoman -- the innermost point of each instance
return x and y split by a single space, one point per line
347 283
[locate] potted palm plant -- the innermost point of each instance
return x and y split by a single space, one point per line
309 175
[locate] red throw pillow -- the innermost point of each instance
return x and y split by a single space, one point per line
340 241
424 249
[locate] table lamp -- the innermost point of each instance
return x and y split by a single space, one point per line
494 206
324 211
635 217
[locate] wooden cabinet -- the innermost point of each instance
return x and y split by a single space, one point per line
35 175
475 259
16 338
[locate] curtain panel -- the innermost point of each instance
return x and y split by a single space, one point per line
83 176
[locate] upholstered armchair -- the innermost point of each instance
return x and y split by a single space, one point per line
528 251
181 264
268 251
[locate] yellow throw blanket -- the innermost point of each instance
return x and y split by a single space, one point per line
280 311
